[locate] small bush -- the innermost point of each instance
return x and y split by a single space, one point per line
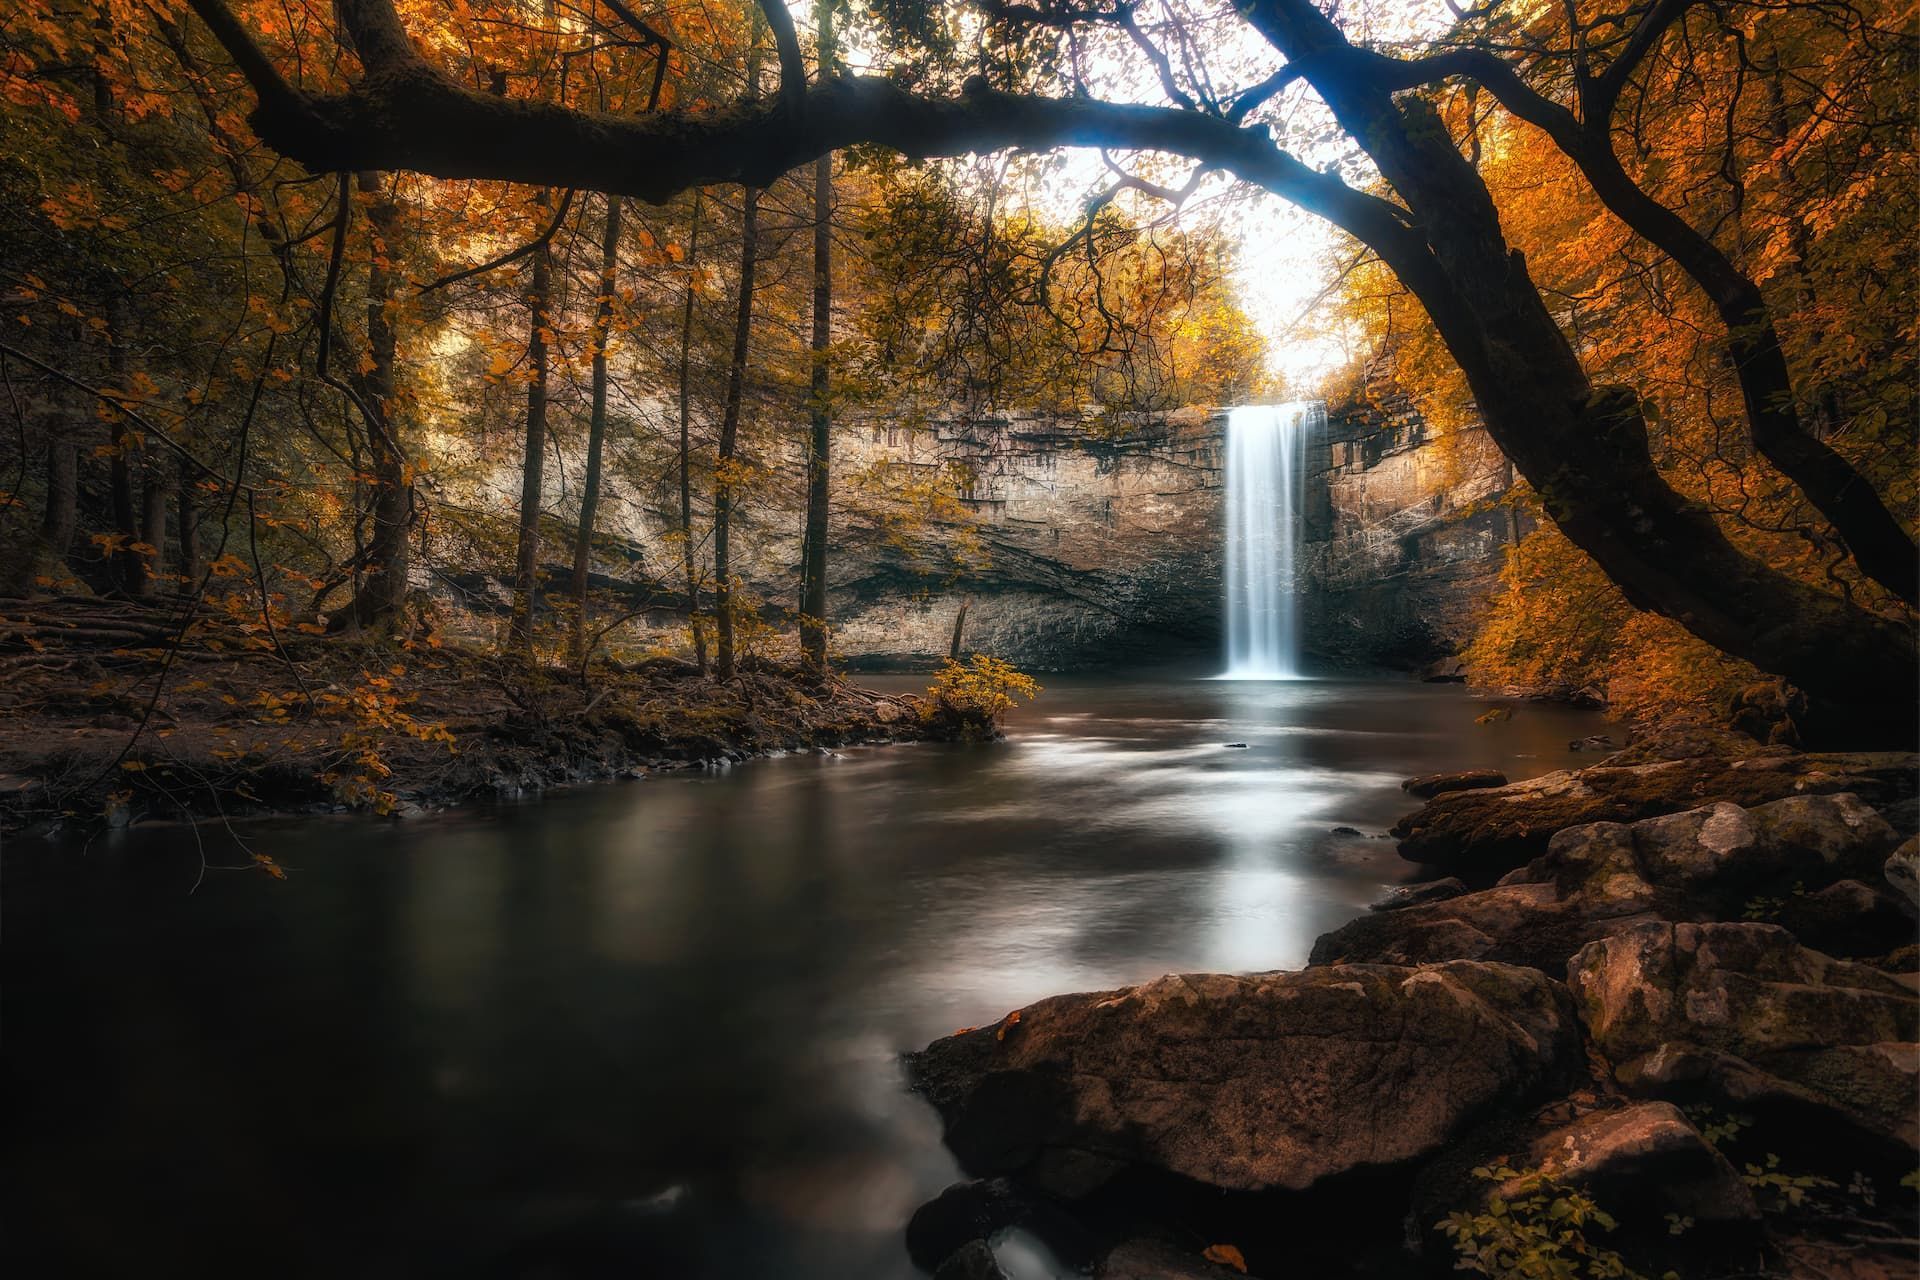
965 703
1539 1230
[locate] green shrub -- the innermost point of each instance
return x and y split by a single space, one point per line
1537 1230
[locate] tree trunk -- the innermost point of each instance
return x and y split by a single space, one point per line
1883 550
686 468
527 561
596 424
156 493
60 516
813 545
382 595
1584 449
187 516
129 565
729 435
959 628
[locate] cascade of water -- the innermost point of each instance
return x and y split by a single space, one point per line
1266 474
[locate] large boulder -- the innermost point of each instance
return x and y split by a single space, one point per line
1747 989
1249 1083
1642 1162
1731 854
1481 834
1743 1016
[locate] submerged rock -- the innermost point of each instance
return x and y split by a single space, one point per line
964 1214
972 1261
1413 895
1428 785
1248 1083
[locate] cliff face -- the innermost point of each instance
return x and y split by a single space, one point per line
1106 548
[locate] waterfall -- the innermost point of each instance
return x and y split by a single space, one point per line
1266 474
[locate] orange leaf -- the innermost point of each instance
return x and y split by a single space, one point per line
1226 1255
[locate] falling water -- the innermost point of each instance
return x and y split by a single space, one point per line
1266 471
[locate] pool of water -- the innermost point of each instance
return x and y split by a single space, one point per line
651 1029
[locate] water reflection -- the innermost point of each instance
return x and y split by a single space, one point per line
652 1029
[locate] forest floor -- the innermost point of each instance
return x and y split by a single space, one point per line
114 712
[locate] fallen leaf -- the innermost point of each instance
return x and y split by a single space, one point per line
1226 1255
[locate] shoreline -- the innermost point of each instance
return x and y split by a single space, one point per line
374 731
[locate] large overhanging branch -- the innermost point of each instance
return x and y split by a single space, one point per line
404 114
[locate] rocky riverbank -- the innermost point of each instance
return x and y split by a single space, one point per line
1674 1033
114 714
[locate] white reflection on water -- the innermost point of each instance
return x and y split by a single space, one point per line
518 1030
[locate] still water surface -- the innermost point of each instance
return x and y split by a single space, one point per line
651 1029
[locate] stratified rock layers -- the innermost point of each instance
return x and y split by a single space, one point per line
1101 542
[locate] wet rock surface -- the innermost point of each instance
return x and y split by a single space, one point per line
1481 834
1248 1083
1737 1065
1432 784
1810 862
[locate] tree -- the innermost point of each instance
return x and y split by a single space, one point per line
725 468
597 420
813 567
526 573
1584 449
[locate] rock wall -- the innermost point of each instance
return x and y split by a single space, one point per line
1099 542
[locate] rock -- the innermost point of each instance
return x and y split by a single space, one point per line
1638 1161
1251 1083
1642 1162
1494 715
1158 1260
972 1261
1413 895
1345 831
1848 919
1768 711
1593 742
1481 834
1445 671
963 1214
1732 853
1746 989
1902 815
1430 785
1527 924
1743 1014
1839 1110
1234 746
1903 870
